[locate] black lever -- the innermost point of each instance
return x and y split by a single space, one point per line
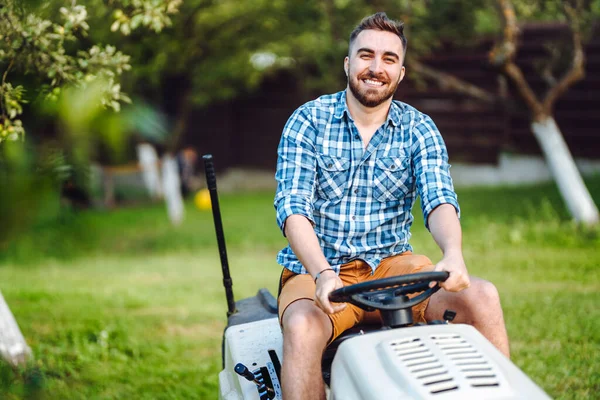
449 315
242 370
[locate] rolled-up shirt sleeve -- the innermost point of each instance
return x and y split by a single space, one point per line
296 168
432 170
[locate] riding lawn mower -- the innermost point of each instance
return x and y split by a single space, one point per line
396 359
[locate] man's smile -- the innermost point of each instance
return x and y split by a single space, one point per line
373 82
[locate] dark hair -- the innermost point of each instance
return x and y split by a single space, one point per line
380 22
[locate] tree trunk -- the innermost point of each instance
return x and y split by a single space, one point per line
172 189
565 172
148 161
13 348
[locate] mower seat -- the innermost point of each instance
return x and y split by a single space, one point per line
330 350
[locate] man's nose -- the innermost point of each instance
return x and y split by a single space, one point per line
375 65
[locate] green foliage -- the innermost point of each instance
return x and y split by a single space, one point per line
56 52
430 23
12 102
216 50
153 14
23 192
550 10
223 49
32 175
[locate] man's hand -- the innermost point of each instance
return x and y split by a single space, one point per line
327 282
459 277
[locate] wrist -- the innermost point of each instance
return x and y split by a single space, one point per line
318 275
451 253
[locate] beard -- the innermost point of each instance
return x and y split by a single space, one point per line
371 97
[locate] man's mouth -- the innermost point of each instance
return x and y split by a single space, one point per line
373 82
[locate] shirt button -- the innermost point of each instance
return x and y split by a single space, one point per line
329 165
357 136
354 218
355 190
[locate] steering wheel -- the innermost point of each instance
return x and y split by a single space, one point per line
389 294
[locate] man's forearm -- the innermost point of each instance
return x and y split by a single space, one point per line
305 244
445 229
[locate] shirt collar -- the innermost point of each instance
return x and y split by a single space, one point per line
341 108
395 114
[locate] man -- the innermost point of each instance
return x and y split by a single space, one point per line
349 168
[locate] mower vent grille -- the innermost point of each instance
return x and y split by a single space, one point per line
444 361
424 365
474 367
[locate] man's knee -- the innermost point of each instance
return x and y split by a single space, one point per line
480 301
303 320
482 297
485 291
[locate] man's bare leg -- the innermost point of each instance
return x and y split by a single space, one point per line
306 330
479 305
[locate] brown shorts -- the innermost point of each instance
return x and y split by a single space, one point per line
295 287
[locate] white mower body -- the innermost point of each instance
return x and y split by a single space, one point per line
427 362
250 344
446 361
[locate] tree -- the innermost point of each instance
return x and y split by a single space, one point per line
501 16
544 127
579 14
51 50
13 347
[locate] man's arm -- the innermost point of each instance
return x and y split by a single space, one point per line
305 245
295 175
445 229
438 201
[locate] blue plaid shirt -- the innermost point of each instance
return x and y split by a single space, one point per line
359 200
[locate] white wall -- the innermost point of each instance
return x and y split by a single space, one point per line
512 170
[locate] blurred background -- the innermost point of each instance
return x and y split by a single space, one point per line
109 269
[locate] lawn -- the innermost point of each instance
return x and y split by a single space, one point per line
122 305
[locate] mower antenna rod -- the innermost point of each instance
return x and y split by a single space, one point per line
211 182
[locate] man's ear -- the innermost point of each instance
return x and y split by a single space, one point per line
346 61
402 73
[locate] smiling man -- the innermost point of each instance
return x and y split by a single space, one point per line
372 85
349 168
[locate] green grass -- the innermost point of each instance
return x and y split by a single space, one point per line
122 305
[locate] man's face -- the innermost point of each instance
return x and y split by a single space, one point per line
374 66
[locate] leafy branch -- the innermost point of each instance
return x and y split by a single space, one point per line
49 50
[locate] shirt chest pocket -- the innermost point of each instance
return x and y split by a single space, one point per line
392 178
332 176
